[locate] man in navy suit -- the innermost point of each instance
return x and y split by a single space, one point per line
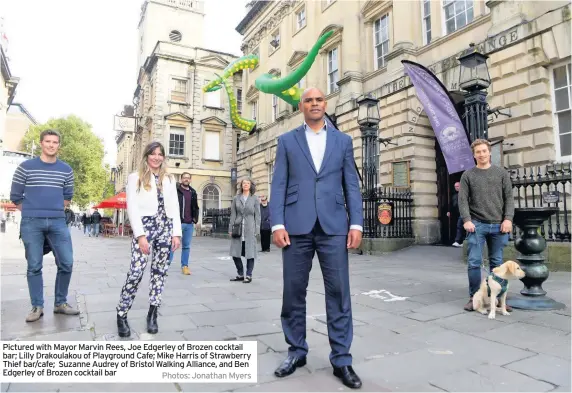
314 189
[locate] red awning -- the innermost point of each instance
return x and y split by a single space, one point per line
118 201
8 206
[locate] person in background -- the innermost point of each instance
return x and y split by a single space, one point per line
486 205
3 220
189 212
244 226
70 217
265 229
153 209
86 221
459 236
95 222
42 188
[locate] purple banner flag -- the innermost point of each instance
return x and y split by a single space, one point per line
446 124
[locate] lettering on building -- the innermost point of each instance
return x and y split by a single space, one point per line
490 45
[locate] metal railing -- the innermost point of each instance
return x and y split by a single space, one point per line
534 186
218 218
402 211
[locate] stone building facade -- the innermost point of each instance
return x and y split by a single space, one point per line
194 127
529 48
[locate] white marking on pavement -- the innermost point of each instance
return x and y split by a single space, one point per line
437 352
384 295
224 258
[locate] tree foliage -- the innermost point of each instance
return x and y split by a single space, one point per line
83 151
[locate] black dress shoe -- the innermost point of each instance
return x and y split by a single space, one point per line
289 365
348 376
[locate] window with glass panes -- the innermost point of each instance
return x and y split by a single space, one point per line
333 72
562 109
381 41
301 18
176 141
426 6
458 13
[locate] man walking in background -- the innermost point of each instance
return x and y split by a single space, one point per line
459 236
265 231
316 208
41 189
189 209
486 205
95 222
86 221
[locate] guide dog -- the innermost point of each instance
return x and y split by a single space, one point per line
495 285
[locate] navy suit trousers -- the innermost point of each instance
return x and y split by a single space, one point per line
297 260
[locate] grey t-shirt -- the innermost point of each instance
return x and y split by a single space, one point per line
486 195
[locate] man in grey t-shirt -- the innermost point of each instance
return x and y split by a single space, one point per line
486 206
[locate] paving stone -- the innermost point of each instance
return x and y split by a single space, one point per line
218 318
182 309
81 335
473 347
254 328
550 320
395 372
216 333
489 378
236 305
533 338
545 368
470 322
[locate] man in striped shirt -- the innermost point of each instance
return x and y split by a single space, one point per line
41 188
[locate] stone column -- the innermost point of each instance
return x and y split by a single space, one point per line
505 14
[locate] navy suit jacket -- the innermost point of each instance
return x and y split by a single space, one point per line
301 193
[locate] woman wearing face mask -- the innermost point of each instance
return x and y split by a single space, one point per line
244 227
153 209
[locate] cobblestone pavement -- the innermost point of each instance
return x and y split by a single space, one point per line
422 342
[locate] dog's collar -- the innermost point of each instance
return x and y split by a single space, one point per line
503 282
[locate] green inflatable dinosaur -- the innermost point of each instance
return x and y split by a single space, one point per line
285 88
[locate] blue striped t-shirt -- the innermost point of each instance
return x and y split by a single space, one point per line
42 187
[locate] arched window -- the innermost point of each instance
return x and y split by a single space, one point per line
211 198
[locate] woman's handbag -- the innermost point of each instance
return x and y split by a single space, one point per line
236 230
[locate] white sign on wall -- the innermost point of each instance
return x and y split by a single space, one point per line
124 123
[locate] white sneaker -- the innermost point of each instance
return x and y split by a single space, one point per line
457 245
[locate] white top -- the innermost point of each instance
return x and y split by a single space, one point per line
141 203
317 144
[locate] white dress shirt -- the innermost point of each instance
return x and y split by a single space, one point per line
317 144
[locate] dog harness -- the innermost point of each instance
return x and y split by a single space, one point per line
502 282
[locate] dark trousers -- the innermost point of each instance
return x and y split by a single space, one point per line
460 236
265 239
297 263
240 267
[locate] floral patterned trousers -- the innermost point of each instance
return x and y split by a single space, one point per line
158 230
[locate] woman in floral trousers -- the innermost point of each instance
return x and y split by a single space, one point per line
153 209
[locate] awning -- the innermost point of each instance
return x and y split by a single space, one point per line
118 201
8 206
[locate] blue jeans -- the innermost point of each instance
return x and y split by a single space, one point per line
95 229
185 245
55 230
87 229
496 241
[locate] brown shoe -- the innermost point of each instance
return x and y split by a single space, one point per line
65 309
186 271
508 308
469 305
35 314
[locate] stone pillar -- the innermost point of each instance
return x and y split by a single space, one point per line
403 38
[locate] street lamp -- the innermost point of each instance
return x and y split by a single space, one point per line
474 78
368 120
